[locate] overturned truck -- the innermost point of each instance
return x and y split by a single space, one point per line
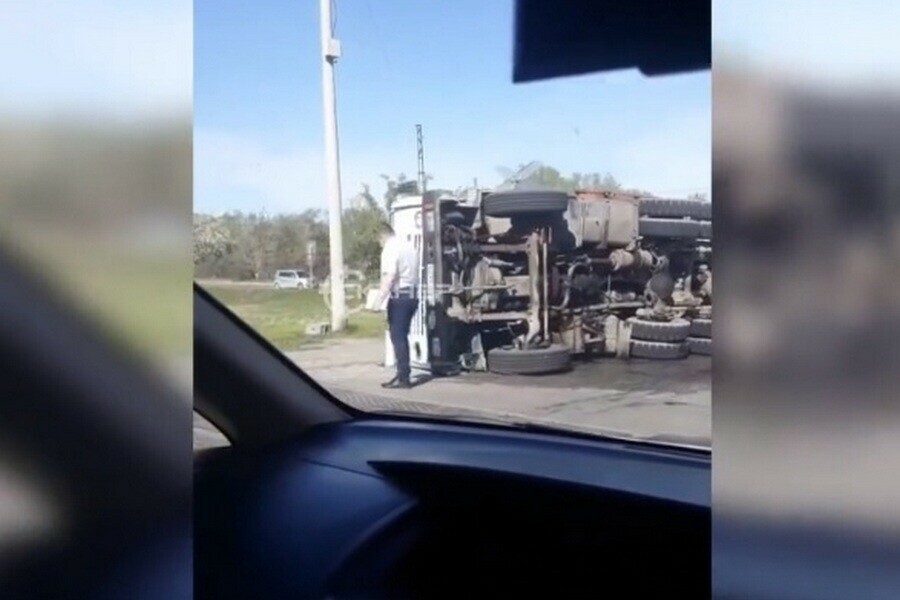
520 281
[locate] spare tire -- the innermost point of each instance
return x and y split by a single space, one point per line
675 330
658 350
701 328
674 208
669 228
506 204
534 361
699 345
454 217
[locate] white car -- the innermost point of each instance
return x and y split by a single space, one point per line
291 279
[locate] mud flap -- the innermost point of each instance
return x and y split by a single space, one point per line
476 359
617 337
610 334
623 340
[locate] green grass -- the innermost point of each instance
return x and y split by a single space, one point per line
282 316
143 299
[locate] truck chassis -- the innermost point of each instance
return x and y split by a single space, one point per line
520 281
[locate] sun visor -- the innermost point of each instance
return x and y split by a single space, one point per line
573 37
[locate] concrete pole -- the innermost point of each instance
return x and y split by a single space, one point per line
330 53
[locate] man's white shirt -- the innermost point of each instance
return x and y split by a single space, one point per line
400 260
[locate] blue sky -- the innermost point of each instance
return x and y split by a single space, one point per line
848 45
104 60
258 109
446 65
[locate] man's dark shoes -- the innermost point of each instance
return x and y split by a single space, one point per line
397 384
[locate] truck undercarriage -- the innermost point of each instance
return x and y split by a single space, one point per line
519 281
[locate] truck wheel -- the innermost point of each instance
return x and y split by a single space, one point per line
454 218
658 350
704 211
666 208
706 230
506 204
701 328
676 330
534 361
700 345
668 228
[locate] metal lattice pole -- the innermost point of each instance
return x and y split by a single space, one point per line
420 146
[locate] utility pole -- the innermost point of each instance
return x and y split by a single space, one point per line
331 51
311 259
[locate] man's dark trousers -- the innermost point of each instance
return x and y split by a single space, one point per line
400 311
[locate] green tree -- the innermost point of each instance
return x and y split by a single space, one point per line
366 195
547 177
594 182
211 239
551 178
293 232
361 226
258 245
394 187
399 186
610 184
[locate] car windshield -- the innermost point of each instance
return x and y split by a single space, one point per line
547 245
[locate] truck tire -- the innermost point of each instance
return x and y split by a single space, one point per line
701 328
705 230
668 228
534 361
700 345
454 217
506 204
659 350
704 211
676 330
666 208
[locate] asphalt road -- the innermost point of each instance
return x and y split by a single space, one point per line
666 401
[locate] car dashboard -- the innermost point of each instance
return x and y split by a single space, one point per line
383 508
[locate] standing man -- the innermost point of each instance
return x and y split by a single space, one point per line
399 286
